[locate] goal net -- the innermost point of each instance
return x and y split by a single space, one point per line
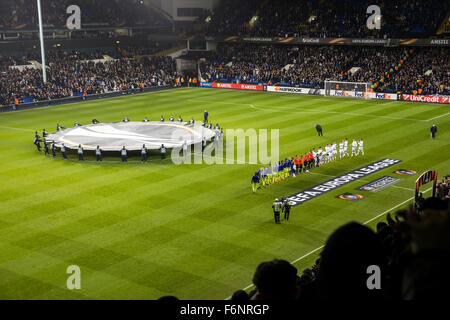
345 86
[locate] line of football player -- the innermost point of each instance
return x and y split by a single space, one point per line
290 167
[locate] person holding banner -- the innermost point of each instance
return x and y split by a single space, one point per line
123 153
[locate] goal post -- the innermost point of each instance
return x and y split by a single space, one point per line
346 86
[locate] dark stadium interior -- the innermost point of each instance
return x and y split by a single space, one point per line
132 46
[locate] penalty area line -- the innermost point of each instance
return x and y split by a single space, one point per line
368 221
437 117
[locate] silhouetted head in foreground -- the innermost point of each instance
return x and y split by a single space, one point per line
275 280
240 296
168 299
345 259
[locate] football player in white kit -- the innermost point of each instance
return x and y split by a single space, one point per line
341 149
334 150
314 153
328 153
346 148
361 147
354 145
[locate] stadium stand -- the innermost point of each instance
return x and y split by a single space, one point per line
443 188
418 70
333 18
20 14
416 77
403 70
73 74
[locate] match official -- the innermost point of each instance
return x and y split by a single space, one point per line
319 130
433 131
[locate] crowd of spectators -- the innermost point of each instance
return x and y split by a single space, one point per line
72 74
407 257
151 47
13 60
443 188
416 75
231 17
333 18
112 12
310 66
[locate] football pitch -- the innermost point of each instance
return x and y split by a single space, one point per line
141 231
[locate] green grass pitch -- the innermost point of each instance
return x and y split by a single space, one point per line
140 231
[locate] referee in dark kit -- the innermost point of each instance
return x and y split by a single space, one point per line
433 131
319 130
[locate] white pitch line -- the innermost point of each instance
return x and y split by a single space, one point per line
400 204
18 129
368 221
442 115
